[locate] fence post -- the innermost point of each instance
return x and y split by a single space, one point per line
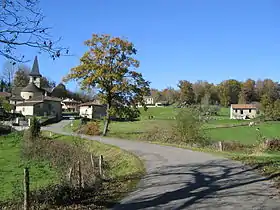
26 204
92 162
100 165
79 175
70 175
220 145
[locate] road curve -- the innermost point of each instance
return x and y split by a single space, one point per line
183 179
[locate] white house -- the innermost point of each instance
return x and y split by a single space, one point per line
70 105
243 111
92 110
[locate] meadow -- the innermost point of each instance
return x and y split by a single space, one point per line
217 129
12 165
45 175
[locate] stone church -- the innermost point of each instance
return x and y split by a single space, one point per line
33 100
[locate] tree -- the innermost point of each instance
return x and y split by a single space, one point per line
3 86
229 92
267 105
5 104
186 92
170 95
242 98
47 83
8 74
22 26
199 89
248 91
21 78
60 91
109 66
156 94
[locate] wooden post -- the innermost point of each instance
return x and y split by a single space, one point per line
70 175
92 162
100 165
79 175
220 145
26 204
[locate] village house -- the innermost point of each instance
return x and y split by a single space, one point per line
92 110
70 105
33 100
149 101
243 111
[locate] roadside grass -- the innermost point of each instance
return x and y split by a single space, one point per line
122 169
12 165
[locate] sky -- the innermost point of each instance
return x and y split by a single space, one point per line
211 40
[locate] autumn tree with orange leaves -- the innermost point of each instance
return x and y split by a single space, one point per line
109 66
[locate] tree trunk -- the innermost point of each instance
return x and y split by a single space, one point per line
107 120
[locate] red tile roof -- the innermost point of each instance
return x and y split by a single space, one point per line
244 106
5 94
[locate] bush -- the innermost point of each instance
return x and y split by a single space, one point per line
188 127
270 145
34 128
187 130
235 146
92 128
160 134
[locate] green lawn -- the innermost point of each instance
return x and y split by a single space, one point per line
11 169
245 134
159 113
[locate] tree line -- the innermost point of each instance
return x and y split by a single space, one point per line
225 93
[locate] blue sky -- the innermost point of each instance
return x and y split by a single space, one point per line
192 40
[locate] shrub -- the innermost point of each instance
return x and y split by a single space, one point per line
270 145
34 129
160 134
91 128
188 127
235 146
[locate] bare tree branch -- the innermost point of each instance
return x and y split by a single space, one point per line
21 25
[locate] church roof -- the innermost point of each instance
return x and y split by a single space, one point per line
31 87
35 69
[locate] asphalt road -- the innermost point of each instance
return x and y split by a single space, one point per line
183 179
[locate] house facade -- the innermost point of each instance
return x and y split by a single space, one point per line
70 105
92 110
243 111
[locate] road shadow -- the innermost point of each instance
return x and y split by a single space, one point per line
216 184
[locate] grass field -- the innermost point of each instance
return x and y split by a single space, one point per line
11 169
164 116
119 166
245 134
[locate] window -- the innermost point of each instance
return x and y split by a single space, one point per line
23 109
249 110
241 111
235 110
30 97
